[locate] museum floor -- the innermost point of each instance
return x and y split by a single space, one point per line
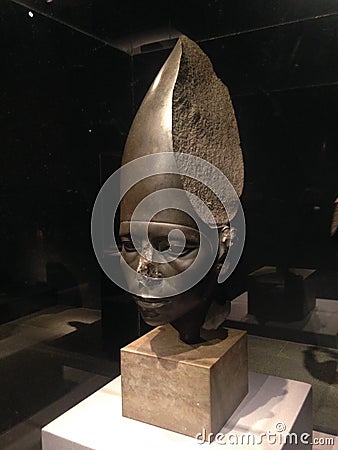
50 361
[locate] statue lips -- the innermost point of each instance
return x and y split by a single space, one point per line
152 303
153 288
149 282
153 309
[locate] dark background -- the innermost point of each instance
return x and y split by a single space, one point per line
72 77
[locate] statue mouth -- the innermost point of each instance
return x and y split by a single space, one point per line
149 282
150 287
151 303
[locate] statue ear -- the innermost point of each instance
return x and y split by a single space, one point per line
225 234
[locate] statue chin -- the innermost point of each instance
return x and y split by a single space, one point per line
186 312
168 310
154 311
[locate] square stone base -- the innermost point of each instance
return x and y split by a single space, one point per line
181 387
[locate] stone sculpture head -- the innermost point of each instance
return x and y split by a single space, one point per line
187 110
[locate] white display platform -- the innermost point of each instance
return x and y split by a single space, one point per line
272 404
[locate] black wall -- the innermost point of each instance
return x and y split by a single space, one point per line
65 99
68 96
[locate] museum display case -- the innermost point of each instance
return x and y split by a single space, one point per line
74 76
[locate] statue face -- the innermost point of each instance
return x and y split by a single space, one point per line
154 276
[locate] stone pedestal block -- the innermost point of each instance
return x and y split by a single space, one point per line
181 387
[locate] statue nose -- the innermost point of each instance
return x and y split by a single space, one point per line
147 268
146 265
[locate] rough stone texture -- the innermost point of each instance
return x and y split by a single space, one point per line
187 110
204 125
181 387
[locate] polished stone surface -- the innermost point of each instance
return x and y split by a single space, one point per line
182 387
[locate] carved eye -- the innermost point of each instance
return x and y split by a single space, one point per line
128 246
173 250
177 250
162 246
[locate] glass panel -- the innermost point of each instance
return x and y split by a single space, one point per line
73 74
